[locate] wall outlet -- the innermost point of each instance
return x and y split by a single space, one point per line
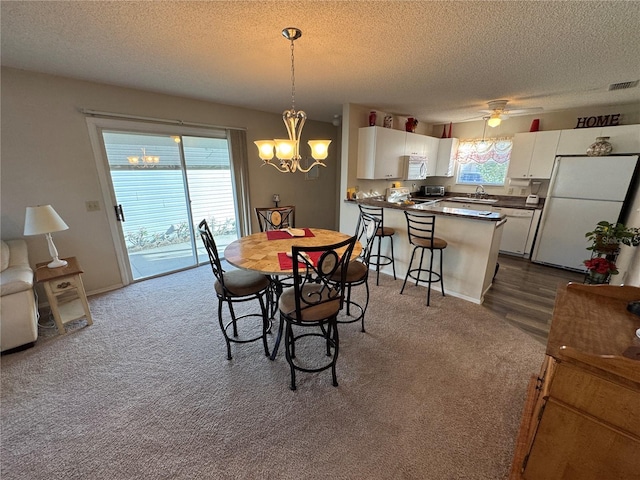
523 191
92 205
510 191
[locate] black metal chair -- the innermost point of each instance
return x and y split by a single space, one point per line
313 303
421 229
237 286
358 269
276 218
382 232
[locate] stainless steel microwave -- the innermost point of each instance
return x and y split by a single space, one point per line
431 190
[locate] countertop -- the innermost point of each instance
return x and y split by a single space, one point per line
454 212
504 201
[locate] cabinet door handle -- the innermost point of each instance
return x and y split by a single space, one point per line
63 285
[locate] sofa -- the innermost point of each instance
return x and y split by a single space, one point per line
18 304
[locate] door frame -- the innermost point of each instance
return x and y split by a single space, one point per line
95 126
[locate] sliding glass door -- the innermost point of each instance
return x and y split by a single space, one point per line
164 185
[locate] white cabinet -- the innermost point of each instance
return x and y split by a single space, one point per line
447 151
416 144
533 154
380 152
624 138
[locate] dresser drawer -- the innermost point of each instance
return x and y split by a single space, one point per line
63 284
610 402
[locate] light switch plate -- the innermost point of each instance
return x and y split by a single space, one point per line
92 205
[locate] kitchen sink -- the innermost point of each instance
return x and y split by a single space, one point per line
473 200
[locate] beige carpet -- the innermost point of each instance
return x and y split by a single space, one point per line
147 392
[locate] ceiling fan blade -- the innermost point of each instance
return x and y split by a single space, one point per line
523 111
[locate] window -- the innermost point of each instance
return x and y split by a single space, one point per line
483 161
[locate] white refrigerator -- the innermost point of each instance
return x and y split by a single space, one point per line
583 191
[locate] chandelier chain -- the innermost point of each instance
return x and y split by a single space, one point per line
293 81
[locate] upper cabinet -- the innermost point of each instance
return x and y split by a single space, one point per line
416 144
533 154
447 151
380 152
624 138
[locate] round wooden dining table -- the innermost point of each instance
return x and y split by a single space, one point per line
256 252
259 253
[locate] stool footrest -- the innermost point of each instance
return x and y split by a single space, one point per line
434 277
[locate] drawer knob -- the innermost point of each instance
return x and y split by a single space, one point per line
64 285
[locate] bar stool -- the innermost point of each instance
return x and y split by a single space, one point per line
421 230
381 233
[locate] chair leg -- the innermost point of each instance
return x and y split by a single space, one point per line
366 302
420 265
288 346
224 332
430 274
408 269
393 259
348 300
378 262
441 280
336 341
233 320
266 323
278 339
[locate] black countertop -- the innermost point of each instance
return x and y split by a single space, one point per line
453 212
504 201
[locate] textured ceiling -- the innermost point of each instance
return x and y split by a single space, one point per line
437 61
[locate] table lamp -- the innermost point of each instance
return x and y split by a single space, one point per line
44 219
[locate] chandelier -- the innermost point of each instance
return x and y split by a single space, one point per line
146 159
287 151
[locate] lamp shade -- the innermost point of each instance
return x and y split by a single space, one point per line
42 219
319 148
494 120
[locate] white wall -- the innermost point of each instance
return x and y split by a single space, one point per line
47 159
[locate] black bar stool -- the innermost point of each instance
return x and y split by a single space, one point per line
381 233
421 230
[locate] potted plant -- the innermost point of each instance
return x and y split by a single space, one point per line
607 237
599 269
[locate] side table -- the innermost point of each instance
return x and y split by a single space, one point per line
65 292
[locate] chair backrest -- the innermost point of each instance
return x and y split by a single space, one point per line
377 212
366 230
276 218
420 228
317 294
212 251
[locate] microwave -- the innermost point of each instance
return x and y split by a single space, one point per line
415 167
431 191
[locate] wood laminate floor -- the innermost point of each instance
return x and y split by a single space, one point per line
523 293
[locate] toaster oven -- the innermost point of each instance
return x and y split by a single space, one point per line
432 190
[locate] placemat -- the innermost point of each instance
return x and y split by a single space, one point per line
283 234
286 262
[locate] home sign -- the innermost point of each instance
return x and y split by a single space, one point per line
599 121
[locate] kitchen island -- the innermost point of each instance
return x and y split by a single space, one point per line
471 255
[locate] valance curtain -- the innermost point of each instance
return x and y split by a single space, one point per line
482 151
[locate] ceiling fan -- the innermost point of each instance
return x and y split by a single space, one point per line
498 111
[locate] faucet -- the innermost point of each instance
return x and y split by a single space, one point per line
480 191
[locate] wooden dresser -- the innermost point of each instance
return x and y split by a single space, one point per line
582 416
